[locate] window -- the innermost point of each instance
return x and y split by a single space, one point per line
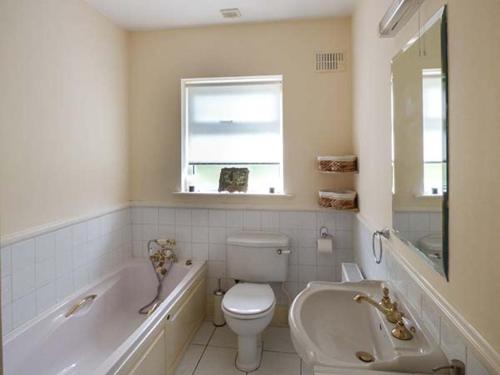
432 132
232 122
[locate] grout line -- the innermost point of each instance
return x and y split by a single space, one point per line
281 352
203 352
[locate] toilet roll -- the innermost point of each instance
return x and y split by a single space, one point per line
325 245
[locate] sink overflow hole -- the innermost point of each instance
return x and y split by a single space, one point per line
365 357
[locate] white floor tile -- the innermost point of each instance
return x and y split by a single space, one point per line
190 360
279 364
218 361
224 337
204 333
277 339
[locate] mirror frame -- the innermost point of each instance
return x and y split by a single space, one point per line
439 16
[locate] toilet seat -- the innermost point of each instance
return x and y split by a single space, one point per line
248 300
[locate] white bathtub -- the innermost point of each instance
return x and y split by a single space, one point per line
101 338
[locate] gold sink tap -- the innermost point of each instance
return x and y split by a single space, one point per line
391 313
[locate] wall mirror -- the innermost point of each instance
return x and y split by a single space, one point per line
420 143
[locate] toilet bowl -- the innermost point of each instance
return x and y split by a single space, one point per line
253 259
248 309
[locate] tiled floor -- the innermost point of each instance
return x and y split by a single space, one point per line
213 352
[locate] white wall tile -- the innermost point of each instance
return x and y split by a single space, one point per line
6 260
326 219
419 222
23 282
23 310
325 259
166 216
307 256
199 234
325 273
64 261
183 233
65 286
431 317
293 273
216 218
270 220
474 366
81 277
217 252
199 217
184 250
234 219
93 229
200 251
251 220
435 221
45 247
79 233
344 221
149 215
23 254
46 297
166 231
149 232
307 273
342 239
182 216
80 255
45 272
6 290
6 319
451 342
216 269
217 235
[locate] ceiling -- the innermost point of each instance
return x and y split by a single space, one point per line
160 14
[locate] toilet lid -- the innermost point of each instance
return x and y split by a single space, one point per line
248 299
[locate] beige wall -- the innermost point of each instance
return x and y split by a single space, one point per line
63 113
474 134
317 106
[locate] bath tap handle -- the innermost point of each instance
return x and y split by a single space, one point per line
80 304
281 251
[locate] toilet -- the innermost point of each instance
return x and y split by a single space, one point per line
254 259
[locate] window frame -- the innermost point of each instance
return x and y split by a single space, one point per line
185 82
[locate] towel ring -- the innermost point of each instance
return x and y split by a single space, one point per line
386 233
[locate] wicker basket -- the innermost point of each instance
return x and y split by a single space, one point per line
338 164
341 200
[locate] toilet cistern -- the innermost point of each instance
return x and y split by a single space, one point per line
254 259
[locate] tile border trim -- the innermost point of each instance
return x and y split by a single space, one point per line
27 233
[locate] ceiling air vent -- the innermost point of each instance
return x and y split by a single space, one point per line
230 13
330 61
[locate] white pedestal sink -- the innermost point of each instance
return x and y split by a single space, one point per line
328 328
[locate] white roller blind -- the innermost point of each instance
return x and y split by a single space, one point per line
234 122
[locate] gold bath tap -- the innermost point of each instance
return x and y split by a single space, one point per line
391 313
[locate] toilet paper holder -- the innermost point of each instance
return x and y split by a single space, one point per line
323 233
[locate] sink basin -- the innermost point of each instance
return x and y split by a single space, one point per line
329 328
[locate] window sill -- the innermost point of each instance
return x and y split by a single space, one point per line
215 194
427 196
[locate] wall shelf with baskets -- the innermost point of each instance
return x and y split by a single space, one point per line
346 200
